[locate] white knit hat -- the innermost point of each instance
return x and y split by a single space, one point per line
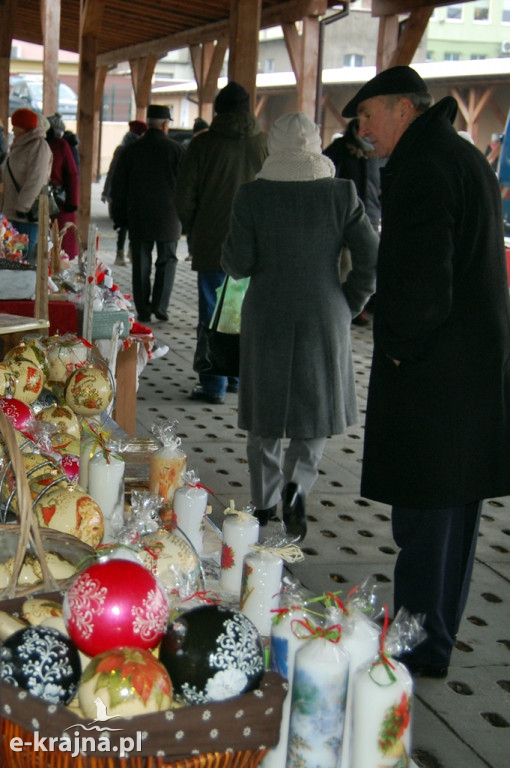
294 131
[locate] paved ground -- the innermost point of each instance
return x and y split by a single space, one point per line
460 722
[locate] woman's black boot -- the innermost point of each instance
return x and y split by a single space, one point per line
264 515
293 508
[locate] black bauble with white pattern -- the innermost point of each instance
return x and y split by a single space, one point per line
212 653
44 662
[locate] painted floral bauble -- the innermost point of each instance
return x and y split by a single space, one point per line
212 653
62 417
172 559
7 381
42 661
29 379
115 603
63 442
88 391
32 352
129 681
69 509
19 413
65 355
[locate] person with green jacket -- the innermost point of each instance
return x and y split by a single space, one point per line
216 163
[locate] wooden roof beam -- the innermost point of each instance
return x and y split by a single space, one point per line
291 11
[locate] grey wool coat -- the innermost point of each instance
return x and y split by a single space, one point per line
296 373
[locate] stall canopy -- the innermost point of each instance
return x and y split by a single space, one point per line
107 32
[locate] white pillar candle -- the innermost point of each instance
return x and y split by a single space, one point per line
106 486
284 646
260 588
361 640
381 716
190 504
319 692
88 446
239 533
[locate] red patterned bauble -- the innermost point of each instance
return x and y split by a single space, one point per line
19 414
71 466
113 604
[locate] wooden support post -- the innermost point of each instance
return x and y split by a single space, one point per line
207 60
142 71
41 288
244 44
7 13
50 22
307 92
91 14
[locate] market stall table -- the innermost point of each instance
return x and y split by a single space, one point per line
14 327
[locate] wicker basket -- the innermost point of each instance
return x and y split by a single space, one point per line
232 734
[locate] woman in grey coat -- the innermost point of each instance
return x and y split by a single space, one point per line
287 231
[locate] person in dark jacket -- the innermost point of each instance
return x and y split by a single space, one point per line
437 437
143 200
137 128
216 163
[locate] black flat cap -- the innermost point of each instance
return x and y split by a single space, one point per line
158 112
393 80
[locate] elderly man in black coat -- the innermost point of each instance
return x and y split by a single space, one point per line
143 191
437 438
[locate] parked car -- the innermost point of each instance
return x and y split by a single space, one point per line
28 92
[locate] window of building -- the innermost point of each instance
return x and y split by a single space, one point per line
452 56
429 56
481 10
268 65
476 56
354 60
454 12
505 13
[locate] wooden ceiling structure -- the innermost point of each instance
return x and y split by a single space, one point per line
107 32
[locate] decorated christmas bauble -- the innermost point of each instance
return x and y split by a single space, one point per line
212 653
129 681
46 399
62 417
29 351
19 414
42 661
29 379
65 355
88 391
172 559
63 442
115 603
7 381
71 466
68 508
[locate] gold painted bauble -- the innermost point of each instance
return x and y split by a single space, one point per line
88 391
65 355
128 681
73 511
63 417
29 379
7 381
31 352
65 443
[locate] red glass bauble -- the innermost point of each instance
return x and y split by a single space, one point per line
19 414
115 603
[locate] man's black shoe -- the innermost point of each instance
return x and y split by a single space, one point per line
233 388
197 393
425 670
161 315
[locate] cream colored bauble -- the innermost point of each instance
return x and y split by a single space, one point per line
70 509
29 379
88 391
63 417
